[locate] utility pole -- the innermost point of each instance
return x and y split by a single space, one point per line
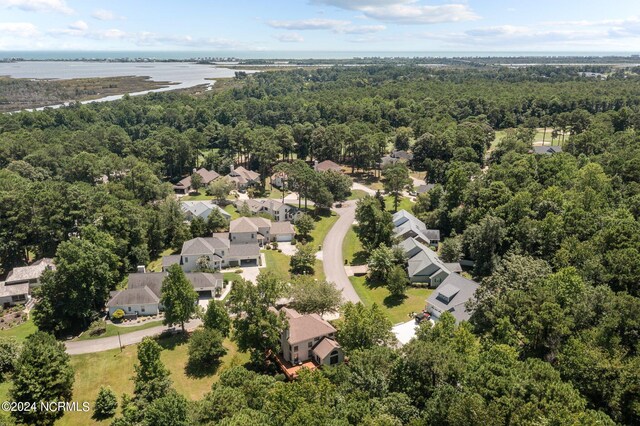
119 341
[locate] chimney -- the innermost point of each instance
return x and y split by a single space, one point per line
315 164
142 269
232 168
193 171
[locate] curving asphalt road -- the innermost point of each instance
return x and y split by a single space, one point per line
80 347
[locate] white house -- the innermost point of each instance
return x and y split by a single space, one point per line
30 274
16 294
201 209
144 291
278 210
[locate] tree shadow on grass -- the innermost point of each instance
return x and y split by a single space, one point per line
360 258
198 371
373 284
391 301
170 341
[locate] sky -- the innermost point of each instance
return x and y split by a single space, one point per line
322 25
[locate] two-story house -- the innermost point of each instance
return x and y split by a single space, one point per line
279 211
309 338
242 178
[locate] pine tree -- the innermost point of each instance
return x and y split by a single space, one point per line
106 404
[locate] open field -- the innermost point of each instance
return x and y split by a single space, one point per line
115 369
397 310
18 93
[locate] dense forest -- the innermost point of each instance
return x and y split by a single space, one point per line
555 239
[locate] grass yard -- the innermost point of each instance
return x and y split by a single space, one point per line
352 249
356 194
200 197
323 225
21 331
404 203
397 310
112 330
156 265
231 276
231 209
115 369
279 263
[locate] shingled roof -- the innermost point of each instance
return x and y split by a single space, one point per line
306 327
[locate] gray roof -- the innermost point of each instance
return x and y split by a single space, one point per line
173 259
452 295
31 272
133 296
244 250
424 188
424 260
197 246
453 267
546 149
404 155
432 234
14 290
280 228
202 208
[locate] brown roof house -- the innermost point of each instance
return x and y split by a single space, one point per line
184 186
243 178
327 165
307 340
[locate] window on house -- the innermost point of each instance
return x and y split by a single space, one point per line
129 308
186 260
315 339
295 348
253 236
142 309
334 359
310 344
309 354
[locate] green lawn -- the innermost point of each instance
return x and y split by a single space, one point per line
357 194
231 209
112 330
280 263
156 265
323 225
397 310
115 369
21 331
200 197
404 203
352 249
231 276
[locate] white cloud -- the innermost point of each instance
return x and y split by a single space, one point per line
309 24
79 26
19 29
410 12
59 6
105 15
290 38
337 26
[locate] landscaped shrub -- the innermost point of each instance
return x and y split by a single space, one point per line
238 271
117 315
106 404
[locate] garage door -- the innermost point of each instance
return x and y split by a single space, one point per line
248 262
284 238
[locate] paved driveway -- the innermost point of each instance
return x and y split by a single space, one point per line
333 260
107 343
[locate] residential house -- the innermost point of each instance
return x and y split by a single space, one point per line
546 150
326 165
452 296
243 178
16 294
201 209
217 252
278 179
424 265
278 210
407 225
422 189
30 274
309 338
259 230
184 186
396 156
144 291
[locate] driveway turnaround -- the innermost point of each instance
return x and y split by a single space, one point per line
333 260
